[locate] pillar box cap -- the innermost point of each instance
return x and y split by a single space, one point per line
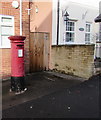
17 38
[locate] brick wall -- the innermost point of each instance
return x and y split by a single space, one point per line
7 9
6 63
73 59
26 31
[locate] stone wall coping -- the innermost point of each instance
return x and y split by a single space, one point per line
73 45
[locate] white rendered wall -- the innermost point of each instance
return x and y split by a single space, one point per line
81 14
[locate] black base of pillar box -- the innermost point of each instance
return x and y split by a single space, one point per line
17 84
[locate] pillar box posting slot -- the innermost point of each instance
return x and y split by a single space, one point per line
17 63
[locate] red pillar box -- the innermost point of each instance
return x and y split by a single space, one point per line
17 63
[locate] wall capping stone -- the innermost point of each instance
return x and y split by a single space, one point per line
73 45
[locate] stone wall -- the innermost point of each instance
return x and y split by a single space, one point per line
73 59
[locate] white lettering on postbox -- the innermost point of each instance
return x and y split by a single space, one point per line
20 53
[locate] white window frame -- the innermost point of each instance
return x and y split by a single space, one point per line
88 40
69 31
7 24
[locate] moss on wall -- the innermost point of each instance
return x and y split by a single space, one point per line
73 59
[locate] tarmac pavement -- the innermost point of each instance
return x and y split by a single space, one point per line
57 97
39 84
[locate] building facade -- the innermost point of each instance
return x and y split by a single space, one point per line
10 25
79 29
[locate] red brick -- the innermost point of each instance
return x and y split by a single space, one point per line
7 9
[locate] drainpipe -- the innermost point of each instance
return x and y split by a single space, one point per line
100 22
20 17
58 22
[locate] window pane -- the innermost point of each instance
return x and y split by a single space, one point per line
5 19
72 37
87 34
87 37
70 26
7 30
72 23
87 27
68 29
5 41
69 37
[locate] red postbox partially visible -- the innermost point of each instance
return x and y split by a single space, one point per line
17 63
